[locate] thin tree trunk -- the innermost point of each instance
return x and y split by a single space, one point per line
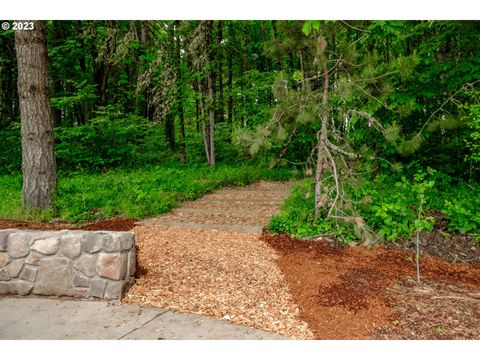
38 156
302 69
221 102
244 69
170 118
211 95
230 85
211 113
206 130
58 35
183 152
197 115
245 50
320 198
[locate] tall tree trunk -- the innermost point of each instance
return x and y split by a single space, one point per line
197 115
103 66
244 69
170 118
230 85
58 36
322 135
211 113
38 156
183 152
302 69
245 50
221 102
206 125
211 95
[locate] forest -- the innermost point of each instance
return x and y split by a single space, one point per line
381 120
308 179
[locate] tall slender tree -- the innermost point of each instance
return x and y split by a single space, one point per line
180 96
38 156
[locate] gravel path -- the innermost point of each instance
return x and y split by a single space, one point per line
208 258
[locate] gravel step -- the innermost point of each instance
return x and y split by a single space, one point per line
244 211
253 229
207 199
254 193
242 206
215 219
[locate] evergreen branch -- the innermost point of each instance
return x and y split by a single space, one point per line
375 98
337 62
464 87
360 38
355 28
371 120
382 76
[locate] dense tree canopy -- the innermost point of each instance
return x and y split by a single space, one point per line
331 98
127 92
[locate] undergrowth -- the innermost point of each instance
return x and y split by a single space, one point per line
388 205
134 194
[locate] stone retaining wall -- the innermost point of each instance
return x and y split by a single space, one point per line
82 264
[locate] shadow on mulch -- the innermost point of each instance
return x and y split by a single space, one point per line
360 293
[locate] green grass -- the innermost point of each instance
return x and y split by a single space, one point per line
135 194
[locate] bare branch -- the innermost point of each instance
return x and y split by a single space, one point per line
341 151
335 178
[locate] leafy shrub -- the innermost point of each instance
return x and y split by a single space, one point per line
463 210
103 143
297 217
389 205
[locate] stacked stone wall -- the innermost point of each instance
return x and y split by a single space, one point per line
81 264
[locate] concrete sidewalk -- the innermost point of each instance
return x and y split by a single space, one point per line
56 319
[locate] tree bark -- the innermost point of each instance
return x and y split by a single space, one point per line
170 118
211 96
38 156
322 150
206 130
221 102
230 89
183 152
211 113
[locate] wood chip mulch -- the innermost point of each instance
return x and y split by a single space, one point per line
226 275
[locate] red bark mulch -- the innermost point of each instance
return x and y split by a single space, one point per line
360 293
116 224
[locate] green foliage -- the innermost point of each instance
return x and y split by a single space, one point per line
297 217
105 142
140 193
112 83
463 209
394 206
10 149
473 141
10 206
